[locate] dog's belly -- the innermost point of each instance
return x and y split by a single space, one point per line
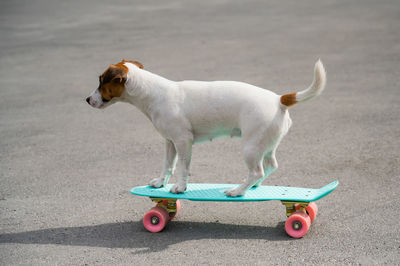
202 135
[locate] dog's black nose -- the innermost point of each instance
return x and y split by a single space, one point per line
88 100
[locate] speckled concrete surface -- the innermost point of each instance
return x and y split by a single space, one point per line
66 168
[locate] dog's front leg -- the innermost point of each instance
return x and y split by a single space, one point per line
184 150
168 165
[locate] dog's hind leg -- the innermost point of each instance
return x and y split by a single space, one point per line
254 161
168 165
270 165
270 162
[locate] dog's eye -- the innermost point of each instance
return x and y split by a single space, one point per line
104 100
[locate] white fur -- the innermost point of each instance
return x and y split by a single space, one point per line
188 112
95 99
316 87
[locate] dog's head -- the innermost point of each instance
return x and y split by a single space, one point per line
111 85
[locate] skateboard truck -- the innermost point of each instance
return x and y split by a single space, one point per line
293 206
170 205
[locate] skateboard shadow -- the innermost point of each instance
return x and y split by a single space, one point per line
133 235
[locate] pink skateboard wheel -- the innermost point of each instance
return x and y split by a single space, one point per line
178 208
155 219
311 209
297 224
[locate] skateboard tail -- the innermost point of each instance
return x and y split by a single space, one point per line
326 190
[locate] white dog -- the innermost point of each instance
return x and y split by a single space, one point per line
188 112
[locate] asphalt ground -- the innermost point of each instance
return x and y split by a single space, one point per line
67 168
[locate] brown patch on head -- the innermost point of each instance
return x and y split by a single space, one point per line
289 99
112 81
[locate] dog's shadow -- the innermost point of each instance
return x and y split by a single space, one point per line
133 235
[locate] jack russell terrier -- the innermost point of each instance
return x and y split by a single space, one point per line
188 112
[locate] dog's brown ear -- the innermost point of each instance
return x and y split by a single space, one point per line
136 63
119 78
116 73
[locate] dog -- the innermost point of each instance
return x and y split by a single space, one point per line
189 112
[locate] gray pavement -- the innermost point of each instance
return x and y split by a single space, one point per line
66 168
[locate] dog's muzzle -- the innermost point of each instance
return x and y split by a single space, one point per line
95 99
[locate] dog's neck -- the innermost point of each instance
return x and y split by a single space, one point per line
144 89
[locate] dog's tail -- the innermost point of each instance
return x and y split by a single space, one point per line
316 87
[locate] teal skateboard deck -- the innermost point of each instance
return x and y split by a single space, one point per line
215 192
301 208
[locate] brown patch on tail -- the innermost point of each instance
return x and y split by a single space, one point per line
289 99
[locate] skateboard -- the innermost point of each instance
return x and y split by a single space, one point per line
301 208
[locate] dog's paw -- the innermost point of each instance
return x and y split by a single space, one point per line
234 192
178 188
156 182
